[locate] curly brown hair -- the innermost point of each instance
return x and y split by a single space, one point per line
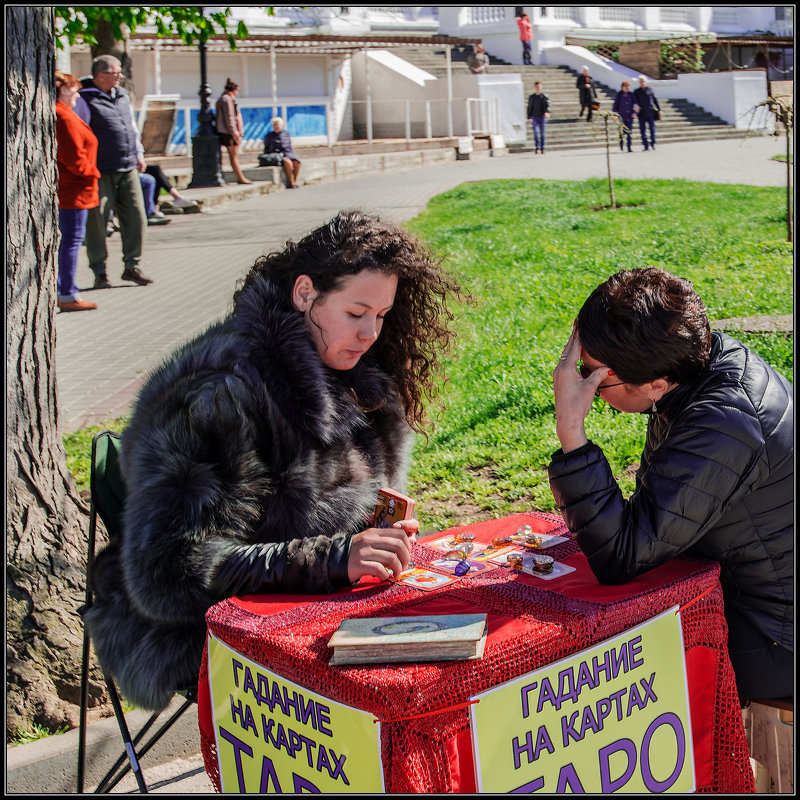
416 332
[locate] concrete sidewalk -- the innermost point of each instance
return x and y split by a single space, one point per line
103 356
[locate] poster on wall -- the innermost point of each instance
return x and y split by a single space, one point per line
612 718
277 737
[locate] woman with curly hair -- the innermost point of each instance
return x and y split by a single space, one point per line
255 452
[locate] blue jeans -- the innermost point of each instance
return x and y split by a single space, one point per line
526 52
149 192
643 123
72 224
538 124
626 134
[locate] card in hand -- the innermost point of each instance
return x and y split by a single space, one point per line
392 507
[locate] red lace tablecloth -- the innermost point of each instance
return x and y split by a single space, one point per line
532 623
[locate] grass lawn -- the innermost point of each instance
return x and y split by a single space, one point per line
530 252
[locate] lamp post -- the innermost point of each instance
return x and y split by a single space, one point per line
206 161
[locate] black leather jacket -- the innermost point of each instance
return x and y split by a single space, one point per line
716 481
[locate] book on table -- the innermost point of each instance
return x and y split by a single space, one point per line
437 637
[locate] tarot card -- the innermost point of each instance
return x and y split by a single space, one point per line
425 579
545 540
392 507
475 567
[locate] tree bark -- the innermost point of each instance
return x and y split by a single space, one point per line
108 45
46 519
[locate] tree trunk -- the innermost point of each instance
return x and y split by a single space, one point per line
108 45
608 165
46 519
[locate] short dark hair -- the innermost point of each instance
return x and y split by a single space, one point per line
416 332
646 324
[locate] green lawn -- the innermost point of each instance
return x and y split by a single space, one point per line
530 252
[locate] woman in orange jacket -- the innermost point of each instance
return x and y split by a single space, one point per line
77 188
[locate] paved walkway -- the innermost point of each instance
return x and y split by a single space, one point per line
103 356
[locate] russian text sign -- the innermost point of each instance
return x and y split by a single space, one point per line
274 736
612 718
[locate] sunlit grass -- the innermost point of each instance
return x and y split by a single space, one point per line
530 252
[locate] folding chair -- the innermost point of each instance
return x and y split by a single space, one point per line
108 501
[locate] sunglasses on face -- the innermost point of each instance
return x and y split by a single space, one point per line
586 372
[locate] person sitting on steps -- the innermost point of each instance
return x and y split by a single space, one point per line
278 141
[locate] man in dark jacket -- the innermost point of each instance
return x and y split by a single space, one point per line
538 114
587 92
120 159
648 110
716 478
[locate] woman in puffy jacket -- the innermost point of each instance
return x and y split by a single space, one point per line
256 451
716 476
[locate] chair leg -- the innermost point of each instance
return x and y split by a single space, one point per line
82 719
108 784
126 738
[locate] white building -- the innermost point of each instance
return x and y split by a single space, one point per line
328 72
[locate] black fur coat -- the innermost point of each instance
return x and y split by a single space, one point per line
248 466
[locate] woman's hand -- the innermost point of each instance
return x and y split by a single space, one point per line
376 551
573 395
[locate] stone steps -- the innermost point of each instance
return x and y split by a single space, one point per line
682 120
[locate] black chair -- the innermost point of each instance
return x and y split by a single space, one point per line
107 502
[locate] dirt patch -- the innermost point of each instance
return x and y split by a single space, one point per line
616 205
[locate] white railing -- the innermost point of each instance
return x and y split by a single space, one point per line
782 27
568 13
483 116
674 15
618 13
724 18
424 119
480 15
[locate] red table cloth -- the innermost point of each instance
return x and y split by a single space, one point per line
532 623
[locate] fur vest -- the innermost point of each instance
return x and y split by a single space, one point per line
244 452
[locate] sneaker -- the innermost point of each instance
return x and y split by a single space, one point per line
137 276
76 305
158 219
182 202
101 282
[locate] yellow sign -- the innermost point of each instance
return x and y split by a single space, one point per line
274 736
613 718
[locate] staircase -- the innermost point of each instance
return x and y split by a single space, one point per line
681 121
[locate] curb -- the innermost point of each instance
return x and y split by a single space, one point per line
50 765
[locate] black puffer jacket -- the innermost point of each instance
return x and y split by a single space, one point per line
248 467
716 481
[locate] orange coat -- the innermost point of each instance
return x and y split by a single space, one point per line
77 161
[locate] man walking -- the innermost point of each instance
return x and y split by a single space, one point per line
648 110
120 159
538 113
